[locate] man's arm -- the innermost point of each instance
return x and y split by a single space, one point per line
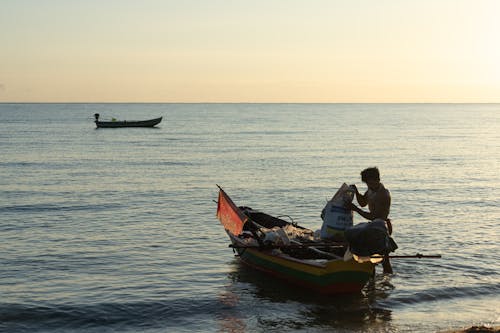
381 207
366 215
360 197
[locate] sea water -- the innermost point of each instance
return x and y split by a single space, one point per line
114 230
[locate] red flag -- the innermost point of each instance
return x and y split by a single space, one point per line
229 215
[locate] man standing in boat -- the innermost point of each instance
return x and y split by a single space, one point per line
378 199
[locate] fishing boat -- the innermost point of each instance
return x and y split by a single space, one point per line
290 252
126 123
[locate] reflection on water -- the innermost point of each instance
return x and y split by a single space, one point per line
231 324
230 321
276 305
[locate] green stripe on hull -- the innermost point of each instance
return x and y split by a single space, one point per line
327 279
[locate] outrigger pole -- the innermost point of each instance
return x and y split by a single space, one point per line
302 245
418 255
291 246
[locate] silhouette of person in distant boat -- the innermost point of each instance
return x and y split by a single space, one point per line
378 199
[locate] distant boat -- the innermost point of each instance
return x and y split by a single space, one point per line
126 123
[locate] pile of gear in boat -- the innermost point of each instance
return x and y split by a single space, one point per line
338 238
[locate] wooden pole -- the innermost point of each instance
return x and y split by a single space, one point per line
291 246
418 255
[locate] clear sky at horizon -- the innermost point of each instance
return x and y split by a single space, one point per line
250 51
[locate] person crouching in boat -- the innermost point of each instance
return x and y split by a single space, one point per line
378 199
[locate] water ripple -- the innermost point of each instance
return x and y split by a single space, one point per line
439 294
32 317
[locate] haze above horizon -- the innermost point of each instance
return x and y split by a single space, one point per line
319 51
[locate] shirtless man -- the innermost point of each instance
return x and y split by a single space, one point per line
378 199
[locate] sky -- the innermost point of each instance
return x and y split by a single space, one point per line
296 51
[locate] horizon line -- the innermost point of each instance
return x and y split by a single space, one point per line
125 102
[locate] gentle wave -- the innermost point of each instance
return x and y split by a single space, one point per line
439 294
55 207
30 317
163 163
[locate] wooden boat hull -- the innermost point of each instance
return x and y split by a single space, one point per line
334 277
331 276
138 123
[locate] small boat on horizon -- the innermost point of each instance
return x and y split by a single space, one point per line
126 123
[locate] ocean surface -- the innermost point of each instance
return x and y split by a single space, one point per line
114 230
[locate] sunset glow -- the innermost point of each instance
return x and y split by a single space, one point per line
257 51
